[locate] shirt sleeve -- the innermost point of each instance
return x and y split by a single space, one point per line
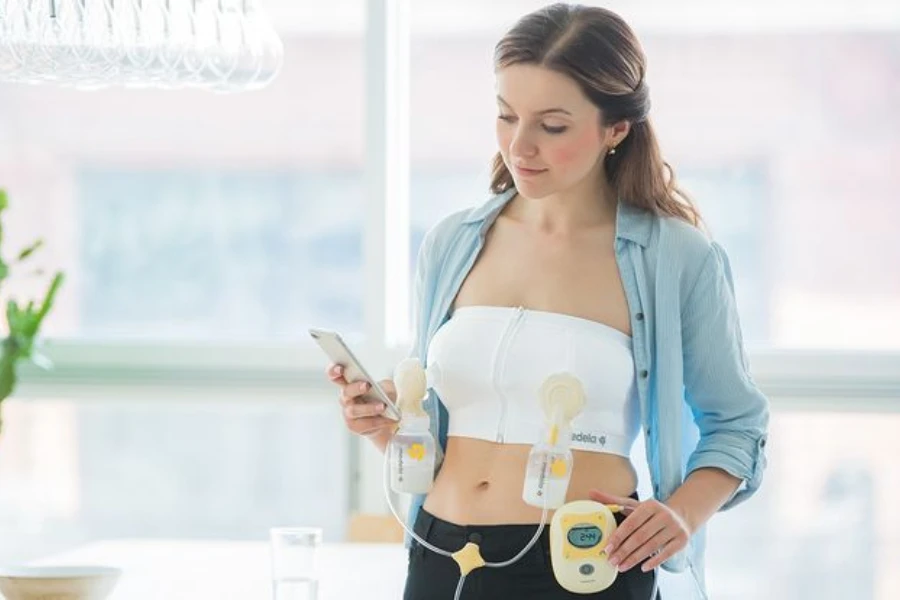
730 411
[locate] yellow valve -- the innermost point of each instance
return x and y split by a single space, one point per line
468 559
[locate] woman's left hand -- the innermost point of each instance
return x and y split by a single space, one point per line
650 529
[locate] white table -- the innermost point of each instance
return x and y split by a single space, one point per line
204 570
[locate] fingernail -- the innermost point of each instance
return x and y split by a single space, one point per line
363 387
614 560
644 568
379 408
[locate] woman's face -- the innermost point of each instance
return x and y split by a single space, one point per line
549 133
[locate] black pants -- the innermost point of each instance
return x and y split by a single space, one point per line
435 577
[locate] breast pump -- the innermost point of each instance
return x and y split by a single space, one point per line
579 530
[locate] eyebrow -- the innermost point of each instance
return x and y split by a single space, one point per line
540 112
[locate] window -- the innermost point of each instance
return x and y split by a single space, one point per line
217 255
825 468
189 216
762 120
74 471
191 226
203 234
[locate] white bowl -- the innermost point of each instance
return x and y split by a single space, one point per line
58 583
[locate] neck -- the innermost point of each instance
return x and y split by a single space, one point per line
587 205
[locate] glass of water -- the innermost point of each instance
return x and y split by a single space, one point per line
294 569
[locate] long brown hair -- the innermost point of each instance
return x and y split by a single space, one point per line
598 50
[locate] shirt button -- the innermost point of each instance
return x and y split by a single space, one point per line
640 316
644 373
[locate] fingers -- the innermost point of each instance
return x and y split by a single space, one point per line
641 544
649 536
668 551
362 410
633 522
336 374
362 417
351 392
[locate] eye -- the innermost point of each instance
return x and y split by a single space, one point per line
554 130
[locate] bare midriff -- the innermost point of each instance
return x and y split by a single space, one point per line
480 482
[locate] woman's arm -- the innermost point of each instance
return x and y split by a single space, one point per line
657 531
731 413
703 494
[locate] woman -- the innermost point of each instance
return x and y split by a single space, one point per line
587 259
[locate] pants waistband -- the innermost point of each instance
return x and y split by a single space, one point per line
497 542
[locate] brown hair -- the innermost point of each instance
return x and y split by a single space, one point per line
597 49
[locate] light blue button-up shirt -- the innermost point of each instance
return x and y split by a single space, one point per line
699 404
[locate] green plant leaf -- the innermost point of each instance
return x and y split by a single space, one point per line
19 346
4 204
26 252
13 317
23 320
8 360
7 377
50 296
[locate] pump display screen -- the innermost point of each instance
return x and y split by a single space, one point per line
585 536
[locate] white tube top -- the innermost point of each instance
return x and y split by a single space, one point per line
487 364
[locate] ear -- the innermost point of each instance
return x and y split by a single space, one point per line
618 132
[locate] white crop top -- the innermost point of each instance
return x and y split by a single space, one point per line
487 364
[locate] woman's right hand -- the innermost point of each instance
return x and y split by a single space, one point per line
363 417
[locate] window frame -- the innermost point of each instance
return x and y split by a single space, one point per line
87 369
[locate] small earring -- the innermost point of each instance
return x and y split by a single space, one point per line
612 150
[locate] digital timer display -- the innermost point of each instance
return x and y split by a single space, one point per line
585 536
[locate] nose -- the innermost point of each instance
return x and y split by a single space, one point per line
521 144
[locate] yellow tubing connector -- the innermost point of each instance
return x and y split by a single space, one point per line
468 559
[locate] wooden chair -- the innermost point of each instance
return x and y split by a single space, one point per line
374 528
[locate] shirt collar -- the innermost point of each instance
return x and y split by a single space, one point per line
632 223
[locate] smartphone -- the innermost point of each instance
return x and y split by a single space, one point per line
339 353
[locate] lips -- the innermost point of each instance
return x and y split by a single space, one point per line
526 172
